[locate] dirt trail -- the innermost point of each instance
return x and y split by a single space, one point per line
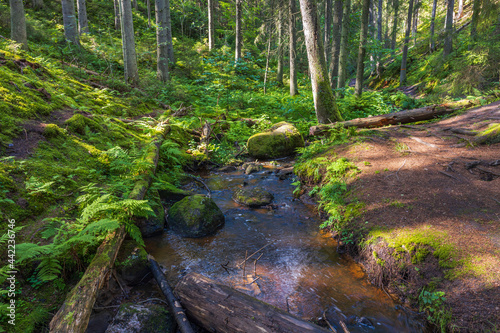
426 175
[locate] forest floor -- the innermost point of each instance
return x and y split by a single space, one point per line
426 179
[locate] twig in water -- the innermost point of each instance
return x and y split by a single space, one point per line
328 323
225 267
258 277
245 264
255 264
262 248
203 183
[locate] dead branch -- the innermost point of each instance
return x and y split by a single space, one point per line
262 248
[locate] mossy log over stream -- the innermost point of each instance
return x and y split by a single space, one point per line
222 309
74 314
402 117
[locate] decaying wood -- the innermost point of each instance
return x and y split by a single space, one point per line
74 314
175 306
488 171
402 117
219 308
448 175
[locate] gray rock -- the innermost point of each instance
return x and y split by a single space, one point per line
281 140
134 318
252 197
132 263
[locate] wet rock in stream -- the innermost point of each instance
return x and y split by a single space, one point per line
134 318
132 263
253 197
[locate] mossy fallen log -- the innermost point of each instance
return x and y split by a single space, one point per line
489 135
74 314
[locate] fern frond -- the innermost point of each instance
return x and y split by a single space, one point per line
135 233
5 237
49 269
133 207
103 226
25 251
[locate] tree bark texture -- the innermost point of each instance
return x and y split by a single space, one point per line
222 309
148 9
211 24
237 48
69 21
432 45
161 41
324 101
394 25
460 8
336 40
379 34
134 4
83 23
170 43
360 67
402 75
448 38
279 69
18 23
128 42
116 4
343 45
415 22
37 4
328 27
476 8
74 314
292 47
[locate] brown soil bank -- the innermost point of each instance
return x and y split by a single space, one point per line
430 215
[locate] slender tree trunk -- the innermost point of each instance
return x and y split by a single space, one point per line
211 24
170 43
128 42
279 70
134 4
161 41
83 23
386 26
372 31
415 22
18 23
237 49
328 25
293 48
37 4
343 46
267 61
116 4
476 9
324 101
379 34
148 9
433 23
336 40
460 8
402 75
360 68
69 21
394 25
448 39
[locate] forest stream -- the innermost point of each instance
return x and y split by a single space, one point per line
299 271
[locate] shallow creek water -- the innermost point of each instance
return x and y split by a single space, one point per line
300 271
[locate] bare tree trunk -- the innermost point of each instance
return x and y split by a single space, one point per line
448 39
402 75
415 22
476 9
267 61
170 44
433 23
394 25
292 47
148 9
372 31
360 68
69 21
37 4
279 70
237 48
211 24
18 23
128 42
324 101
134 4
83 23
379 34
460 8
328 25
343 45
161 41
336 40
117 14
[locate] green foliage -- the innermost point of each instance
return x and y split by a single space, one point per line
432 302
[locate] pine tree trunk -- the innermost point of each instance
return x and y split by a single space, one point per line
211 24
170 43
37 4
117 14
433 24
360 68
279 70
394 26
328 25
128 42
161 41
292 48
18 23
448 39
134 4
336 40
324 101
237 48
69 21
415 22
460 8
379 34
83 24
343 46
476 8
402 75
148 9
372 31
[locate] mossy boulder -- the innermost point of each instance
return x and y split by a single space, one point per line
253 197
136 318
281 140
52 131
171 194
132 263
78 123
153 225
195 216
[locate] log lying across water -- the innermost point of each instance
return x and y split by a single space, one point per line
402 117
219 308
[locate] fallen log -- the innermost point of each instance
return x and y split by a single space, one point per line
74 314
173 303
402 117
219 308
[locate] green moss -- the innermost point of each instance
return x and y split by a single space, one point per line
281 140
490 135
78 123
52 131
